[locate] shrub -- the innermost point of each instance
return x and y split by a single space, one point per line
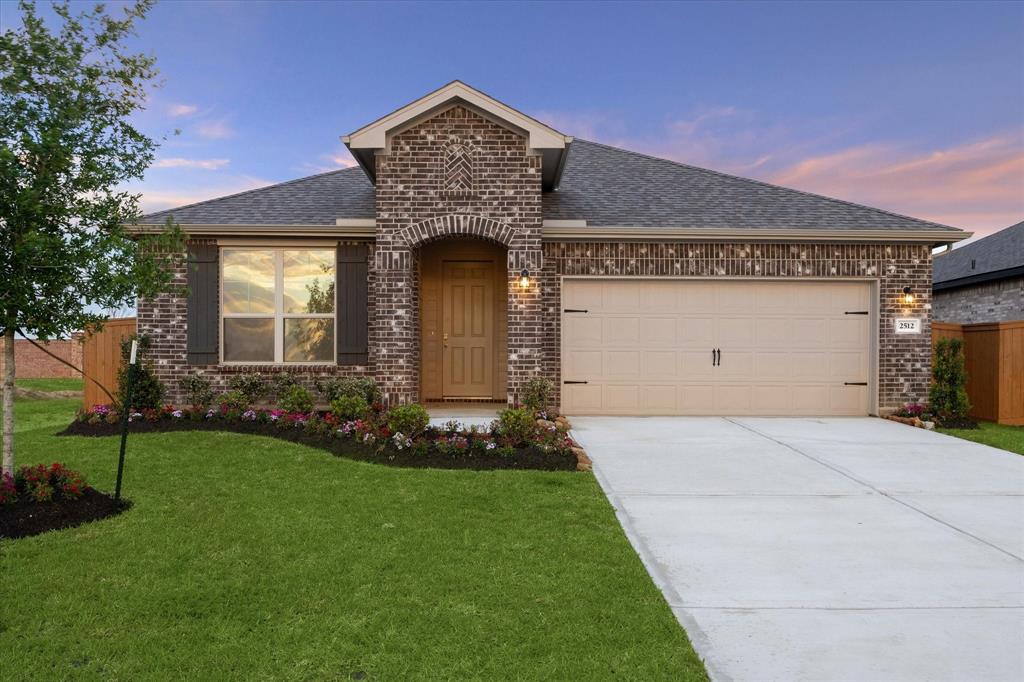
408 420
517 426
42 483
296 399
537 393
350 407
233 400
948 395
281 383
252 386
197 391
332 389
147 390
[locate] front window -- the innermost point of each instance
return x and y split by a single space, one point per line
277 305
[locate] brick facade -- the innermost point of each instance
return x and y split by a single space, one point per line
459 175
32 363
495 195
904 361
998 301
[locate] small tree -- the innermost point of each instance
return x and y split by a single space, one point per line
67 144
948 393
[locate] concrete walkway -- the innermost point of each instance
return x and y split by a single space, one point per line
824 549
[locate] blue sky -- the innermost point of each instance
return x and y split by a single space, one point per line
913 107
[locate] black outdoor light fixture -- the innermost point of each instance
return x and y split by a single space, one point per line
908 295
524 279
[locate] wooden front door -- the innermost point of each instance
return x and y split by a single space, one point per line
468 332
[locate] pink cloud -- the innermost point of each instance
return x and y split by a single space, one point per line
978 185
182 109
159 198
204 164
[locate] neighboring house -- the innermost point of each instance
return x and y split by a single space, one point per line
475 247
982 281
32 363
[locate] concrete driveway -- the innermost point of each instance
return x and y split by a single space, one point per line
824 549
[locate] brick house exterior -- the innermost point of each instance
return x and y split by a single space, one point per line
982 281
457 165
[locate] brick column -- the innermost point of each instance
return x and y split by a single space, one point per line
525 320
394 341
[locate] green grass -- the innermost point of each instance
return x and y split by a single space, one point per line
250 558
50 384
997 435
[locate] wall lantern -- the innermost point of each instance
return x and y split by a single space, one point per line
524 279
908 296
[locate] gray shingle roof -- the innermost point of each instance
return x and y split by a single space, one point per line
603 185
985 258
314 200
607 186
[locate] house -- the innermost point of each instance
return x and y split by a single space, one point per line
982 281
475 247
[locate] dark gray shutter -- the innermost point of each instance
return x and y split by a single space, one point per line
352 304
203 309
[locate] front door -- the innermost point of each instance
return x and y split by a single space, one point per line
468 334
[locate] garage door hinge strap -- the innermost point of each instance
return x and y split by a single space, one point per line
856 312
574 382
855 383
574 310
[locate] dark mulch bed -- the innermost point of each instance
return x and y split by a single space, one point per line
27 517
964 423
524 458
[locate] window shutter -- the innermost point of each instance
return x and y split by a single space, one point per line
352 304
203 319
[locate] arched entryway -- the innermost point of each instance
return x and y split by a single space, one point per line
463 313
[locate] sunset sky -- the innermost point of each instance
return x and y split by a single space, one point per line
917 108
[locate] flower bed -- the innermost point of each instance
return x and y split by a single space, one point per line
516 441
42 498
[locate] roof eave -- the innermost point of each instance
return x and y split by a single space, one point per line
959 282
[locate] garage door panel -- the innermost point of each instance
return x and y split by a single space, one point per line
645 347
621 331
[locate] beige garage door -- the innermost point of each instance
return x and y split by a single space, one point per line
695 347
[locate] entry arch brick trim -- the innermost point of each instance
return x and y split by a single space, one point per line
454 225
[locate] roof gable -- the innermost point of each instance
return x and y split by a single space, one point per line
375 138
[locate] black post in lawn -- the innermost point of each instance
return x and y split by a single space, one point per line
125 412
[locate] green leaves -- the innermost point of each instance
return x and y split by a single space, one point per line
66 145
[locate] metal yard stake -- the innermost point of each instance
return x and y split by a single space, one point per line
125 412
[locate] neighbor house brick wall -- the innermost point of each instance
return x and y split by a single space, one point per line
999 301
497 198
32 363
164 319
904 362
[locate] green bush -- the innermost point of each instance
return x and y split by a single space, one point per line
252 386
537 393
234 400
948 395
197 391
350 407
281 383
408 420
147 390
516 425
296 399
332 389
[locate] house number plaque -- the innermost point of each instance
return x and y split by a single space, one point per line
908 325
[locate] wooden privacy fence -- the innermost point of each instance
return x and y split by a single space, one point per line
101 358
994 355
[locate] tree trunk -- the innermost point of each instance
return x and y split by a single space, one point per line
8 401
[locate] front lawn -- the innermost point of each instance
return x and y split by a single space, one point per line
64 384
997 435
247 557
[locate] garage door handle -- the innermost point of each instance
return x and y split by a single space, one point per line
574 382
716 357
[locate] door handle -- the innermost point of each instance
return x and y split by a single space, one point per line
716 356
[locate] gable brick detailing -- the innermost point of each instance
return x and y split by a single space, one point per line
458 167
415 206
904 361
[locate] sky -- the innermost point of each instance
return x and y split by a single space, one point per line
916 108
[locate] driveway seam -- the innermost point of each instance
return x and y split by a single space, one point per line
878 490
